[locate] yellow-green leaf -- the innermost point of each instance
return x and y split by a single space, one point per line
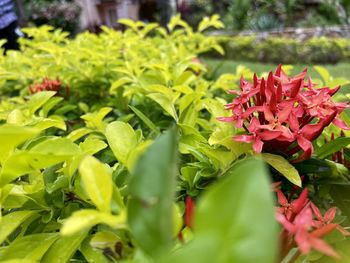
87 218
97 182
122 139
283 167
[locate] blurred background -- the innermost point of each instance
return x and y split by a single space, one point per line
238 15
259 33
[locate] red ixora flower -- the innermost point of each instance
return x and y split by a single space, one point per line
48 85
283 114
303 224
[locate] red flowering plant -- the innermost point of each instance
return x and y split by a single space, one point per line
304 225
283 114
49 85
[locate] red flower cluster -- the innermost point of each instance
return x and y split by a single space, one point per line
304 225
47 85
283 114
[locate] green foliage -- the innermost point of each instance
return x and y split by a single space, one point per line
100 173
230 237
287 50
152 190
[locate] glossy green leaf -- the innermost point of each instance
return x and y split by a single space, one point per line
152 188
64 248
11 136
92 255
32 247
333 146
92 145
11 221
78 133
44 154
122 139
56 146
39 99
145 119
283 167
234 221
97 182
165 103
85 219
43 124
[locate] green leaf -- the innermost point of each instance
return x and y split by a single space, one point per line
92 255
136 153
92 145
85 219
323 73
95 120
39 99
47 153
152 188
97 182
31 247
283 167
50 104
11 221
56 146
43 124
333 146
11 136
119 83
234 221
122 139
64 248
145 119
19 261
77 134
165 103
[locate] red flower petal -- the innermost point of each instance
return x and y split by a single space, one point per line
323 247
244 138
330 214
316 211
258 145
341 124
301 202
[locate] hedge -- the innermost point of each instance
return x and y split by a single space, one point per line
287 50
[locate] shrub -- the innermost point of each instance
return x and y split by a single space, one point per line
287 50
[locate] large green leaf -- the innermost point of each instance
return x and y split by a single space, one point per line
31 247
97 182
122 139
283 167
152 188
45 154
234 220
64 248
13 220
11 136
332 147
